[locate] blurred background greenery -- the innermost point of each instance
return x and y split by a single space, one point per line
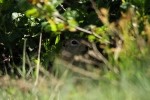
89 49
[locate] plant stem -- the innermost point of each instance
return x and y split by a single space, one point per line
38 61
24 59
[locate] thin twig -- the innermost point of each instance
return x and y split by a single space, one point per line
30 66
83 30
87 31
77 27
24 59
85 60
38 61
76 69
62 7
95 8
110 67
99 13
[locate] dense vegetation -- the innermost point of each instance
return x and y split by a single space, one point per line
74 49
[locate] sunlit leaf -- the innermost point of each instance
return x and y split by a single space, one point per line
1 1
91 38
49 7
32 12
61 26
52 25
72 22
71 29
72 25
57 39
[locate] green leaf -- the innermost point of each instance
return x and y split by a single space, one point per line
72 22
46 26
1 1
57 39
61 26
52 25
91 38
49 8
72 25
32 12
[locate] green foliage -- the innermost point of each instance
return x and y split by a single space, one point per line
120 41
1 1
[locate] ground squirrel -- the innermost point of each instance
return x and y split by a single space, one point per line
73 47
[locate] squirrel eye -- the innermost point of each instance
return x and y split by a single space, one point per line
74 42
